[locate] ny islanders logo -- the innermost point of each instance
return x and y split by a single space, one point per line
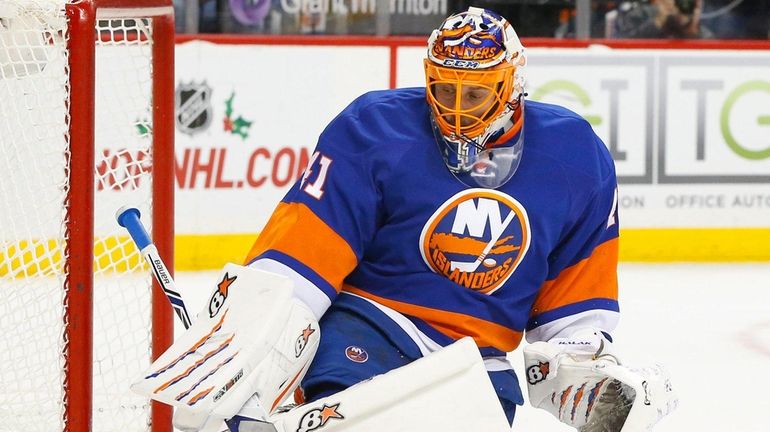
356 354
477 238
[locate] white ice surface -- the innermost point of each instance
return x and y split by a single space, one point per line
709 324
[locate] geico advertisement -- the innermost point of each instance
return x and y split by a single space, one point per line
689 130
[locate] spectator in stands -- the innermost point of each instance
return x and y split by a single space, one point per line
567 20
658 19
737 19
530 18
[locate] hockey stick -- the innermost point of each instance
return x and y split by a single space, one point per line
472 266
128 218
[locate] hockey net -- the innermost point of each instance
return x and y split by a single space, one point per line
84 113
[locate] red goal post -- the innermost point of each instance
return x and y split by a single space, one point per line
86 127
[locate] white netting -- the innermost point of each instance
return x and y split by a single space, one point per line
123 158
33 186
34 151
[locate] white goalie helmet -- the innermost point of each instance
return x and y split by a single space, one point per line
474 75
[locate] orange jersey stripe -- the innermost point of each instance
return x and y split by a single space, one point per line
291 230
452 324
593 277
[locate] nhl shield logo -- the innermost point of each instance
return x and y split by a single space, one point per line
193 107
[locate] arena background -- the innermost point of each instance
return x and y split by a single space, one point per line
688 124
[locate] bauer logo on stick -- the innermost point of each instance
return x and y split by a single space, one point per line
220 295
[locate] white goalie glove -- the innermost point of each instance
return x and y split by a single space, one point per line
252 338
583 384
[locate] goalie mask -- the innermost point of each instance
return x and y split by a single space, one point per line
474 87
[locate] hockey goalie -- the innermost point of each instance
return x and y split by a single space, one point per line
433 230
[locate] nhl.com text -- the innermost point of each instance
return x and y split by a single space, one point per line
207 168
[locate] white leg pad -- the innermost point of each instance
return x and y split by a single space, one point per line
448 390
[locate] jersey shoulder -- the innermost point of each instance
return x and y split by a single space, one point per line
563 135
388 100
395 119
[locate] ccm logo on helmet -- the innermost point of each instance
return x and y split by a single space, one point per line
466 64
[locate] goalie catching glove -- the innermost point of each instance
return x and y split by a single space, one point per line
582 384
252 338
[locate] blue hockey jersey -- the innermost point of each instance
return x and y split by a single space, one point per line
378 214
